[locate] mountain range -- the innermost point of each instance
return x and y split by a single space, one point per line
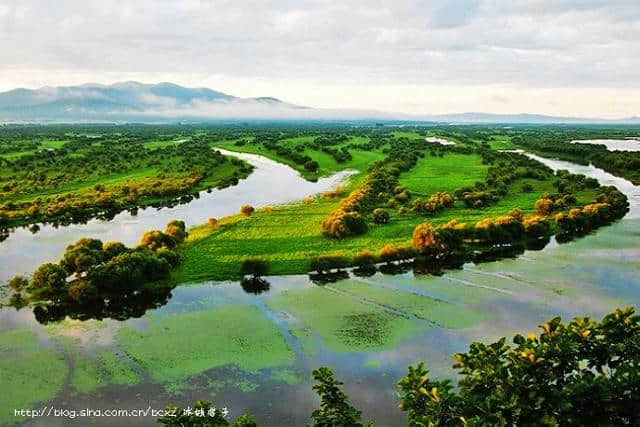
168 102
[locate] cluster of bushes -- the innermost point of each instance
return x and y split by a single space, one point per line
505 168
91 270
435 203
340 155
287 153
347 220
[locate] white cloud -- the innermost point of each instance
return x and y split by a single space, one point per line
240 46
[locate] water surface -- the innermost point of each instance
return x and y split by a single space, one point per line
429 318
627 144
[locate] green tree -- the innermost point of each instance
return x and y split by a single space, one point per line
82 255
50 277
580 373
335 409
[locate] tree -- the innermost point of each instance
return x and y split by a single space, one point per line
82 255
50 277
247 210
581 373
177 230
335 409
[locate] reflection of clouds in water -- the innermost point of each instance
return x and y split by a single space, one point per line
270 183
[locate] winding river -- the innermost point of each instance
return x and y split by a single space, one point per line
589 276
270 183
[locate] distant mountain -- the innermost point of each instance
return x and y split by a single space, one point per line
168 102
131 101
524 119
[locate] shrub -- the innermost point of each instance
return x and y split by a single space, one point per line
50 277
527 188
82 291
176 229
516 213
129 270
326 263
311 166
113 249
82 255
380 216
342 223
388 253
535 227
544 206
212 223
247 210
255 266
18 283
364 258
156 239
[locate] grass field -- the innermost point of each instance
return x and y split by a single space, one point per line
290 236
446 173
327 164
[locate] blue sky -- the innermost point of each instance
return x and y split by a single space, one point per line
567 57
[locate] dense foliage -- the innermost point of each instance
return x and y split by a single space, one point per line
96 279
580 373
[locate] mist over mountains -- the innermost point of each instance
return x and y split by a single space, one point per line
168 103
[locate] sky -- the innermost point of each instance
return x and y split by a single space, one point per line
576 58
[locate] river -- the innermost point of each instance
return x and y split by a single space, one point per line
270 183
180 353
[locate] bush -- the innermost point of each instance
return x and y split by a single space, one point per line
311 166
535 227
213 222
527 188
177 230
18 283
128 270
365 259
113 249
82 255
247 210
255 266
50 277
544 206
380 216
156 239
326 263
342 223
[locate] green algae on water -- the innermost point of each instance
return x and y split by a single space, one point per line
178 346
344 324
29 373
